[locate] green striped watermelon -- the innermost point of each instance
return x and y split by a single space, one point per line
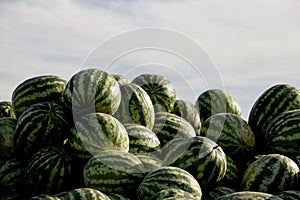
160 90
44 197
85 193
232 175
48 172
141 139
96 132
135 107
189 112
289 194
173 193
150 161
214 101
168 177
114 172
249 195
283 134
270 173
11 174
168 126
6 109
92 90
45 88
216 192
232 133
42 125
7 133
201 157
121 79
272 102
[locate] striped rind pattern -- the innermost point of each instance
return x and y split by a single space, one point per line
283 134
189 112
141 139
92 90
135 107
231 178
46 88
219 191
270 173
121 79
272 102
44 197
150 161
43 124
11 174
6 109
165 178
48 172
85 193
289 194
114 172
232 133
249 195
96 132
214 101
203 158
172 193
168 126
7 133
160 90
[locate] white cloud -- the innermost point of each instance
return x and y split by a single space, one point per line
254 43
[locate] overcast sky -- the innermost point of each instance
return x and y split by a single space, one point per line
252 45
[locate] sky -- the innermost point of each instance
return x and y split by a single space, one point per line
243 47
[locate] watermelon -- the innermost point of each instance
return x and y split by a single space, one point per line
85 193
172 193
44 197
232 133
141 139
272 102
121 79
189 112
289 194
270 173
48 172
114 172
283 134
201 157
216 192
150 161
168 126
160 90
42 125
6 109
96 132
11 174
213 101
232 175
7 133
90 91
168 177
38 89
249 195
135 107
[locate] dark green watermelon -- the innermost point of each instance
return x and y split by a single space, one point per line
213 101
160 90
135 107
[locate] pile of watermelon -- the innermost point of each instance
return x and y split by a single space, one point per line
102 136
